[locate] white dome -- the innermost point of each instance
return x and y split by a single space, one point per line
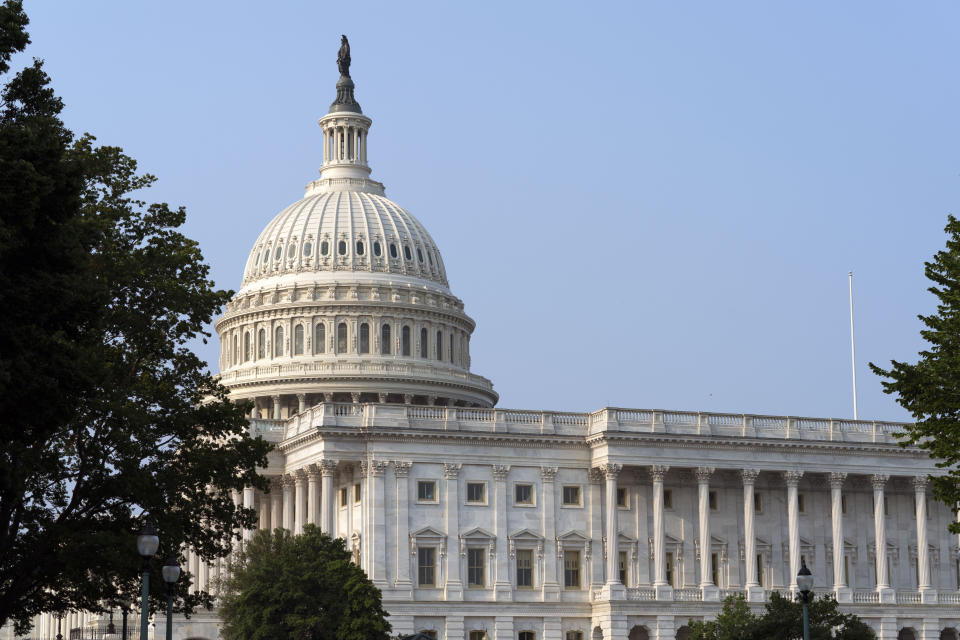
328 233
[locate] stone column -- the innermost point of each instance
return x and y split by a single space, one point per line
754 589
879 481
327 498
594 552
248 497
503 587
378 526
663 590
276 407
204 577
923 560
548 496
792 478
454 587
288 508
301 400
300 498
401 469
611 471
313 494
707 587
276 503
263 511
840 587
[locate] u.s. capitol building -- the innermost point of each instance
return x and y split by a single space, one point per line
480 522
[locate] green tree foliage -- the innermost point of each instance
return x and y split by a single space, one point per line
781 620
930 389
104 412
304 586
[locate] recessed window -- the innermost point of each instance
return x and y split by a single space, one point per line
342 337
385 339
430 633
886 507
419 254
278 342
319 338
622 567
266 256
523 494
760 577
406 252
423 343
298 340
667 499
342 247
476 492
843 507
324 248
343 497
571 569
356 492
393 250
307 249
405 341
715 569
439 345
758 503
359 247
574 635
246 346
475 568
261 343
426 491
712 499
278 253
527 635
364 337
524 568
477 635
669 567
621 497
571 496
291 251
376 249
801 503
426 566
430 258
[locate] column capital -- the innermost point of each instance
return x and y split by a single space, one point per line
792 477
836 479
382 397
500 471
920 483
327 466
548 474
596 475
451 471
658 471
300 475
703 474
276 482
879 481
289 480
313 472
378 467
301 397
749 476
364 467
611 470
401 468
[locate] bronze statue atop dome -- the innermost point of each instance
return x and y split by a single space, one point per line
343 57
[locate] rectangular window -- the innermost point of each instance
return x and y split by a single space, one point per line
571 569
843 505
476 492
886 506
712 500
758 503
343 497
715 569
478 635
803 560
430 633
621 497
667 499
426 566
524 569
356 492
622 567
475 568
574 635
426 491
846 570
523 493
760 570
801 503
526 635
669 566
571 496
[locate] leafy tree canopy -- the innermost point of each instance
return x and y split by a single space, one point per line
104 413
781 620
930 389
303 586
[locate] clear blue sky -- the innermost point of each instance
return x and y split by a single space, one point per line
641 204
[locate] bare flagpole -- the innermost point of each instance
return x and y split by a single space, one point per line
853 351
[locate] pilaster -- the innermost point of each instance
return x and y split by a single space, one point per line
548 495
453 588
503 587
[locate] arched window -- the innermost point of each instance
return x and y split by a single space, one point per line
359 247
342 248
419 255
423 343
307 249
342 337
450 350
236 349
298 340
324 248
405 341
278 342
319 338
266 256
364 337
385 339
261 344
376 249
393 250
246 346
439 345
278 253
406 252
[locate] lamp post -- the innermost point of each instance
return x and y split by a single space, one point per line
805 583
147 543
59 620
170 571
124 624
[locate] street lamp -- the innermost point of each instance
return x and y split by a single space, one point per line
805 583
59 620
147 543
170 571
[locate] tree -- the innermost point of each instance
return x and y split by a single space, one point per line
304 586
105 414
781 621
930 389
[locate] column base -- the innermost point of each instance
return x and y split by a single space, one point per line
844 595
928 596
710 593
551 592
887 595
453 590
503 592
663 592
755 593
613 591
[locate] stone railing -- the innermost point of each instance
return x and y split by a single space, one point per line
908 597
273 430
641 593
949 597
688 594
864 596
606 421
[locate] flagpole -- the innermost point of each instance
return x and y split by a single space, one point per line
853 351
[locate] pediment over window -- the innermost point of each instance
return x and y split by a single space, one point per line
428 533
477 534
525 535
572 538
624 539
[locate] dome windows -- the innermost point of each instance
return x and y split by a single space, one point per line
319 338
364 337
342 247
278 253
342 337
291 251
278 342
376 249
307 249
393 250
359 247
324 248
385 340
423 343
405 341
420 255
430 257
298 340
406 252
261 344
266 256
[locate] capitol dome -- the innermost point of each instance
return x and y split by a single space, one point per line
344 297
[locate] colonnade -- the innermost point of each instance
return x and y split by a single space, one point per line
345 143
